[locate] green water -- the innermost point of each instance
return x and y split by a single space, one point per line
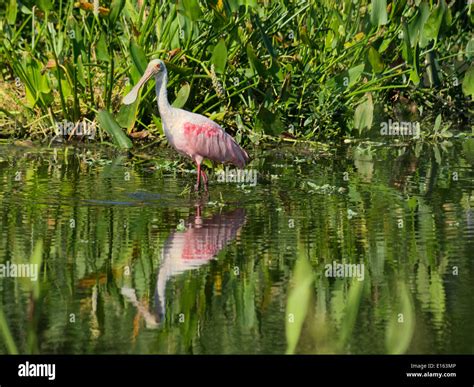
131 262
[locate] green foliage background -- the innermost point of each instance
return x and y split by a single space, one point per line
308 69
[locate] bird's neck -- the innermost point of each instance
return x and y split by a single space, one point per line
162 95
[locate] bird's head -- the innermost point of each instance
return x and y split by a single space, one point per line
156 66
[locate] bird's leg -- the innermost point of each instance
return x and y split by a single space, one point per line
196 187
204 179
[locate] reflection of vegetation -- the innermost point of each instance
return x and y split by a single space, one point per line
121 226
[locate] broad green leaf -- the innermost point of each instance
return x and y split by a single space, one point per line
138 57
219 57
298 300
12 10
364 115
131 12
433 23
414 77
108 123
355 73
115 9
470 48
415 28
190 9
375 60
80 71
44 5
127 115
407 52
182 96
378 15
468 82
102 50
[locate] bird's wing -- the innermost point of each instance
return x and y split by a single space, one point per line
209 140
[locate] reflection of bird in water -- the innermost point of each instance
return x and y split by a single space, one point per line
185 250
198 244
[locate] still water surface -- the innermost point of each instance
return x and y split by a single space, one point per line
131 262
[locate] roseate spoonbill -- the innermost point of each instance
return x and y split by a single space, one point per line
194 247
191 134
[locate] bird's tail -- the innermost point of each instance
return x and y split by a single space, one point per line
240 156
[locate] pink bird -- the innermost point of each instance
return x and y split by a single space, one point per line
191 134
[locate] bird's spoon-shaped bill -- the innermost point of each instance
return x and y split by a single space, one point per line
133 94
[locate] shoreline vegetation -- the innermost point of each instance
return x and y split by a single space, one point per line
267 71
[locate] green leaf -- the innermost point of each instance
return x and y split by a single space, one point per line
219 57
298 301
470 48
138 57
415 28
127 115
355 73
468 82
182 96
375 60
44 5
364 114
108 123
407 52
433 24
378 15
101 49
12 11
190 9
